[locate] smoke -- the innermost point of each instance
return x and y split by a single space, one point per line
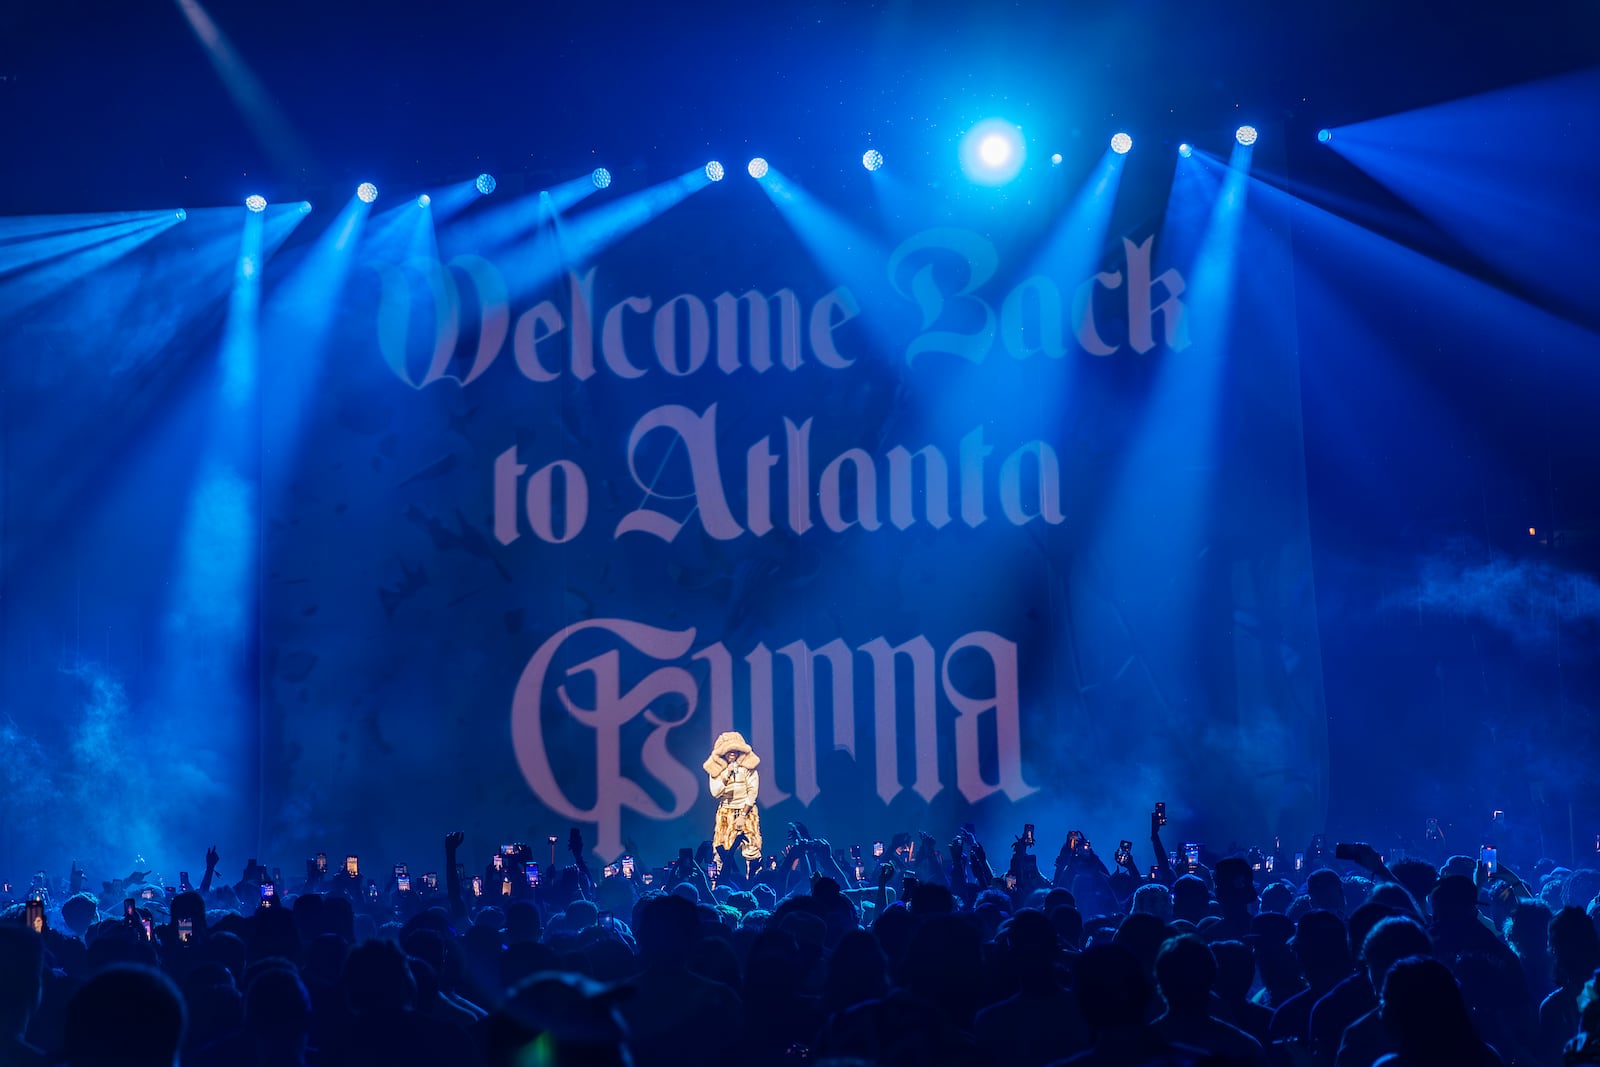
1527 599
123 791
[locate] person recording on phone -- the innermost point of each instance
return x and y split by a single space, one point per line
735 786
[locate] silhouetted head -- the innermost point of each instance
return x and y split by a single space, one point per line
1454 899
1326 890
1142 936
1361 923
1391 940
125 1016
1111 988
21 976
80 912
1153 899
377 980
1235 883
1575 946
1422 1007
1323 947
277 1008
1417 877
1186 972
1236 969
1191 900
667 929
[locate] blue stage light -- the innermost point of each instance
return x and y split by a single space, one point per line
601 177
305 207
1245 135
180 214
1324 136
872 159
757 168
367 192
1055 159
714 171
424 200
1185 151
256 203
1121 144
992 152
485 184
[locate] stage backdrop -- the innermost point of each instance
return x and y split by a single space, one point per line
959 505
952 520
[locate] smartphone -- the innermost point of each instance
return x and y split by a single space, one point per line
183 882
322 863
877 847
1155 871
609 871
147 893
1343 851
647 878
35 914
1269 863
430 881
185 931
1489 855
1191 854
372 892
505 887
499 862
149 929
1074 840
530 871
685 859
627 866
400 870
403 883
269 894
1161 813
508 850
1299 861
130 911
1124 852
1011 883
477 885
1027 834
352 867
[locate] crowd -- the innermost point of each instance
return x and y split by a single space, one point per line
915 955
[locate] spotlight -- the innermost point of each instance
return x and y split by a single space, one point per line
485 184
424 200
872 159
714 171
1055 159
601 177
1245 135
366 192
757 168
1324 136
256 203
1185 150
180 214
305 207
1121 144
992 152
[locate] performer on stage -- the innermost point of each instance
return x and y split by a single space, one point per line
734 785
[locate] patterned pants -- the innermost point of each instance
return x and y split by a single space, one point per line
731 822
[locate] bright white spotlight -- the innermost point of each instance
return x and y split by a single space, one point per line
180 214
1055 159
1185 151
1245 135
256 203
757 168
872 159
714 171
424 200
305 207
366 192
992 152
1324 136
601 177
485 184
1121 144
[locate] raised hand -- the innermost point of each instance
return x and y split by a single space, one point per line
575 841
885 873
212 859
453 840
